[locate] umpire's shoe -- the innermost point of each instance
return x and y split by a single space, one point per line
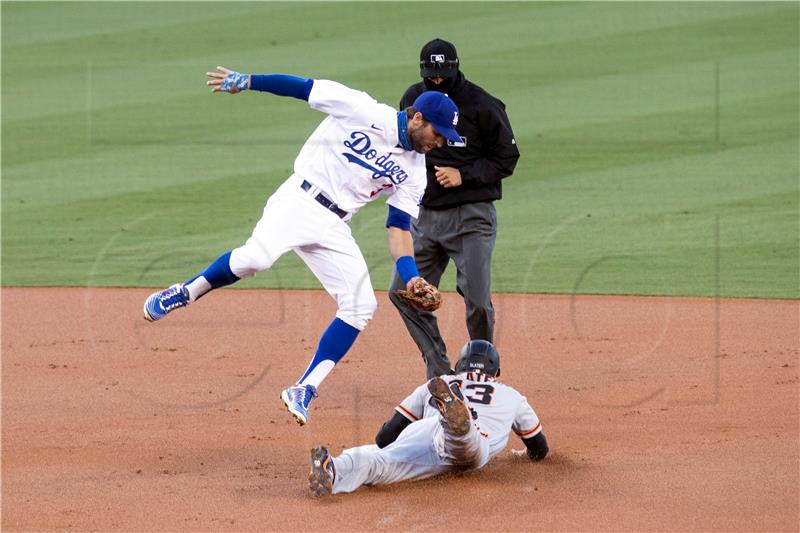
455 412
160 303
323 472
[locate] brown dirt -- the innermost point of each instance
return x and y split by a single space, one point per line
663 414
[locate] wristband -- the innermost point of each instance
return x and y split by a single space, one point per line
407 268
235 79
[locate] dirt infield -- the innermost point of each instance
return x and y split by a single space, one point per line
663 414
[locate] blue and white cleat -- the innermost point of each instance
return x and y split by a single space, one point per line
323 472
297 399
160 303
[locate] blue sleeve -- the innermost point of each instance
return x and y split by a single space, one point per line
282 85
398 219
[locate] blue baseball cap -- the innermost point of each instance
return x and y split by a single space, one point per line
441 111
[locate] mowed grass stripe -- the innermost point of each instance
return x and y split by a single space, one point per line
39 23
611 55
188 239
612 105
646 140
630 51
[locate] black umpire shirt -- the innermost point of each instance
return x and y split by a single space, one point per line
488 152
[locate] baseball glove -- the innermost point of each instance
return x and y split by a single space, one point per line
422 295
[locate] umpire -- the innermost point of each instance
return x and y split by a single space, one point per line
457 219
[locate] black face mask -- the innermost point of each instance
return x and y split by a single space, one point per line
445 87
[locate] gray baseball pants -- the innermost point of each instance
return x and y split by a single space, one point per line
424 449
466 234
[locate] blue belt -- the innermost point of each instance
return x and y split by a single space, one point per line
326 202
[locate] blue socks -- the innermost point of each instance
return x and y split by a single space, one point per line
217 274
333 345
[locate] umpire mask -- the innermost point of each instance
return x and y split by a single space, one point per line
439 59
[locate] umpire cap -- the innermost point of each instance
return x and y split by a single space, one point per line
438 59
479 356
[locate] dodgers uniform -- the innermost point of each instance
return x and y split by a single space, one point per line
361 151
428 447
353 157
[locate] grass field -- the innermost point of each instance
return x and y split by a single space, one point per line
659 140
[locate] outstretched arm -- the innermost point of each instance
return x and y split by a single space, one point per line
230 81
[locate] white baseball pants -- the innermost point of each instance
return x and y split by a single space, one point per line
294 220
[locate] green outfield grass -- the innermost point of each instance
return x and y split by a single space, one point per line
659 140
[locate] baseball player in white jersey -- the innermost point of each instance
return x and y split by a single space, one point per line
455 422
360 151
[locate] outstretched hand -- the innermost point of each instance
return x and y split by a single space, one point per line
228 81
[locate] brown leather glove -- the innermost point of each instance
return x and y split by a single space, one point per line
422 295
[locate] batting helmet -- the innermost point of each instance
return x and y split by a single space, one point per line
479 356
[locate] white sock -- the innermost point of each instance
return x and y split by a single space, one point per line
318 375
197 288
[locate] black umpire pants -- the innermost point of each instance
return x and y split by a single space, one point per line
466 234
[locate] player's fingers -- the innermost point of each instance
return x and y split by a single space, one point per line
223 70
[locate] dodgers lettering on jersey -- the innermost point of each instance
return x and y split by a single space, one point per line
361 143
496 408
354 154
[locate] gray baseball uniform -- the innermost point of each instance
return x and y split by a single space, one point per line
427 446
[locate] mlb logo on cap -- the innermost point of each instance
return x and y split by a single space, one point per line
438 59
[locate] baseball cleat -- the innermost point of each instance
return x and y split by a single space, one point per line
454 412
160 303
323 472
297 399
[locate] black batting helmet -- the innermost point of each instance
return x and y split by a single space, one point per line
479 356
